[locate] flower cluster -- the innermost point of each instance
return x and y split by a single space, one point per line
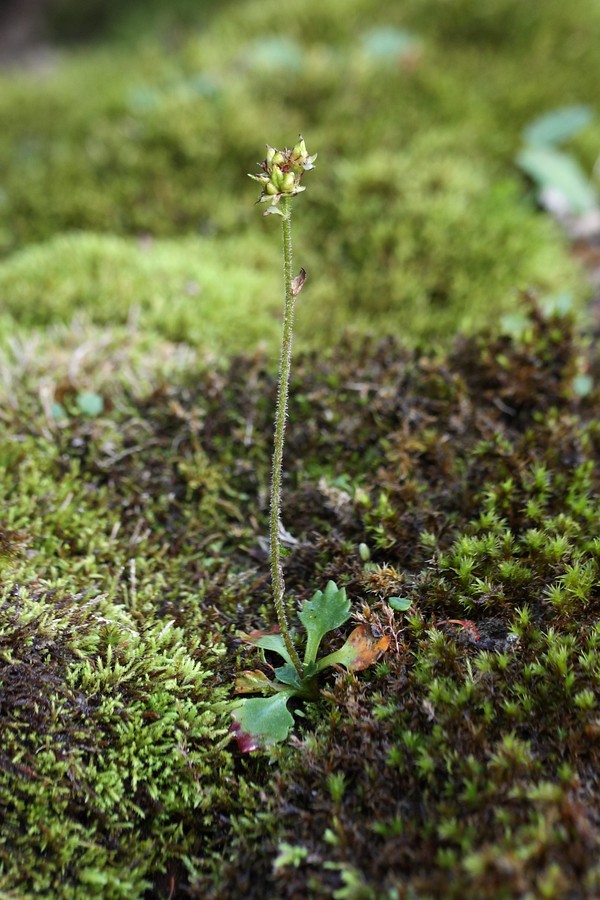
282 172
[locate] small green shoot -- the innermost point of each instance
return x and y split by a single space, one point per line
289 855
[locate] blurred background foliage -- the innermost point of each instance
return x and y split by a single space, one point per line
128 130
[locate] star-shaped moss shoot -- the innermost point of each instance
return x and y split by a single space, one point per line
281 174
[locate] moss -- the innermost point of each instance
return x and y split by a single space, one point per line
110 735
421 210
136 467
442 243
418 241
463 756
462 761
200 291
67 21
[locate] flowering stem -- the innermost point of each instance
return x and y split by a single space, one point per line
285 363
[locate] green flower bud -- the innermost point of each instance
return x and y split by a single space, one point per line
276 176
282 172
299 153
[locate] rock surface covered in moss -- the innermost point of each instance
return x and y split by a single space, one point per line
463 764
135 453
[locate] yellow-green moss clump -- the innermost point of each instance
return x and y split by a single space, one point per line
202 291
431 240
135 470
424 223
110 732
414 242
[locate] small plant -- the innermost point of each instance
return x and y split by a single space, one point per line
262 721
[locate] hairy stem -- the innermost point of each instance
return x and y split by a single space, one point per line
285 363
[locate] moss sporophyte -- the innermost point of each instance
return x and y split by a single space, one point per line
261 721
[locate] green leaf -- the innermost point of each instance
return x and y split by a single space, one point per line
388 44
288 675
268 640
259 722
400 604
552 169
275 54
58 411
558 126
327 610
583 385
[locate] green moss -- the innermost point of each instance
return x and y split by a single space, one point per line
419 241
432 248
421 222
471 477
133 527
68 21
461 757
200 291
109 744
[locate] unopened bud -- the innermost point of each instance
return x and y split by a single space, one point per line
300 152
281 173
288 183
277 176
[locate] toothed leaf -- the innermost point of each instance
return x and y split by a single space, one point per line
326 611
259 722
268 640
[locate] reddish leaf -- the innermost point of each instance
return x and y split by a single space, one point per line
252 637
467 624
367 647
246 742
254 680
360 651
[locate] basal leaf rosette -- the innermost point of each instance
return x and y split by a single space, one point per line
260 722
